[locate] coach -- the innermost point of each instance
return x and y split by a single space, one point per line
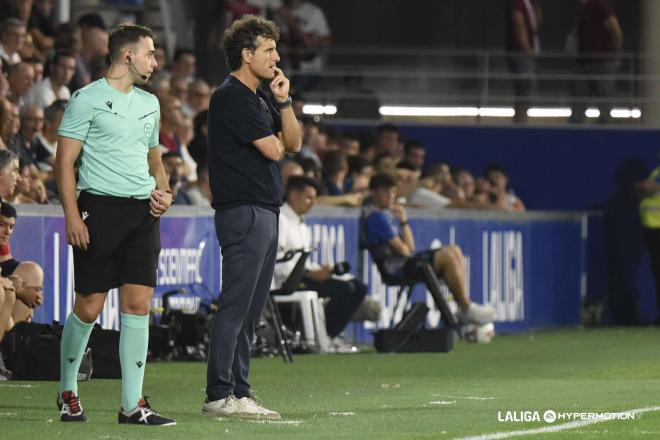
248 134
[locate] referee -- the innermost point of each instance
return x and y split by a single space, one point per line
248 134
110 128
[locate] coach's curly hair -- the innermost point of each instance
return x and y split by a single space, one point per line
243 34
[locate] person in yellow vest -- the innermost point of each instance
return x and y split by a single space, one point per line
649 212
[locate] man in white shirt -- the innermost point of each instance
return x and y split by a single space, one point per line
12 37
47 138
345 296
54 86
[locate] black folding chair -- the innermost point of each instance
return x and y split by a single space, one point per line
290 285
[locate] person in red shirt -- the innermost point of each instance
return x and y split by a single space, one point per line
523 46
599 41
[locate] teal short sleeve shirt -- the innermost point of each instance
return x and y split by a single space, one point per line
117 131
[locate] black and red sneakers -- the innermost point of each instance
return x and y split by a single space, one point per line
70 408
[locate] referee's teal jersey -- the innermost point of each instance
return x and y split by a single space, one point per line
117 130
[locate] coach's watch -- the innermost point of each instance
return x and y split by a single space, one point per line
285 104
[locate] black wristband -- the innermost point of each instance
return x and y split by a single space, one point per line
285 104
404 223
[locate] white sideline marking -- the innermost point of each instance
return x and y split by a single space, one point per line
466 397
441 402
555 428
341 413
18 385
276 422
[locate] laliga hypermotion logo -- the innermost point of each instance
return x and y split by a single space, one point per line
550 416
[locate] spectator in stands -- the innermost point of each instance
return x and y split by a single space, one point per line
175 170
465 181
21 78
93 44
6 121
186 134
199 95
198 148
9 173
388 236
28 51
161 59
502 195
345 296
38 66
179 87
310 131
12 38
27 276
388 141
54 86
24 142
443 172
523 46
171 119
357 102
288 168
349 144
335 171
415 153
41 25
334 184
308 34
160 85
199 192
4 82
184 65
599 41
649 213
47 139
22 192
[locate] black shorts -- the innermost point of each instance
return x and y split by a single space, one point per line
124 243
8 267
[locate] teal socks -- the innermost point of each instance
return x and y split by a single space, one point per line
133 345
74 340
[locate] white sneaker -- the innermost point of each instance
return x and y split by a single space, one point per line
339 345
249 408
477 314
227 407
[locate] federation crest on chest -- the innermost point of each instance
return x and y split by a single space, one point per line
148 129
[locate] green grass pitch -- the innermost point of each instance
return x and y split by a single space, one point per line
383 396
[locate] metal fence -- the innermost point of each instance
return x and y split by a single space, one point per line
473 83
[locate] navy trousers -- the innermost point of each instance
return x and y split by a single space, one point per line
248 241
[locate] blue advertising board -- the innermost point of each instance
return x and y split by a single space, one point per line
531 267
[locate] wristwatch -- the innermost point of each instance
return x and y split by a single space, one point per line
285 104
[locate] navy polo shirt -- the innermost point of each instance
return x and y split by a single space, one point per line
239 174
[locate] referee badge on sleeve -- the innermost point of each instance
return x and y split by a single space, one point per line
148 128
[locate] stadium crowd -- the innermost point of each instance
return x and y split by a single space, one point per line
43 64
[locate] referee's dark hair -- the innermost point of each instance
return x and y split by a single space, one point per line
7 210
299 184
125 34
243 34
